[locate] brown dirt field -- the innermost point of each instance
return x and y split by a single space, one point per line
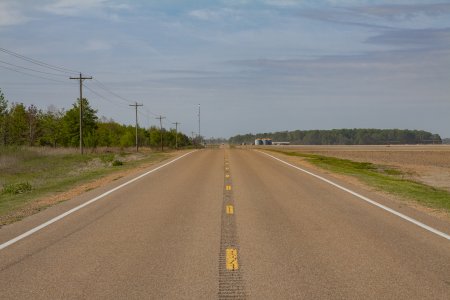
429 164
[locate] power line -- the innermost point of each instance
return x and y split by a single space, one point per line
103 97
32 75
62 70
147 117
150 113
39 63
104 87
25 68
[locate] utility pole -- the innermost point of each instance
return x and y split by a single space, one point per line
199 136
176 134
192 135
81 78
160 123
136 107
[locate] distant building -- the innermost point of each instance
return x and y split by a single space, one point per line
259 142
265 141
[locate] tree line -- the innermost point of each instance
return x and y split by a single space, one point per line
28 125
344 137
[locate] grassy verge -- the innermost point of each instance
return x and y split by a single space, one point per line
27 174
382 178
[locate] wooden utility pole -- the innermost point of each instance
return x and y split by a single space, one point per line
136 108
160 123
81 78
176 134
199 136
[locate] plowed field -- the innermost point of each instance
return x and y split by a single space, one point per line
429 164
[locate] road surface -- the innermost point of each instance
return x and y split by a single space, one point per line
225 223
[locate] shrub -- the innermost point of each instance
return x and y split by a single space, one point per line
117 163
107 158
17 188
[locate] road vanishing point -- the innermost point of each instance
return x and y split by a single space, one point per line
226 224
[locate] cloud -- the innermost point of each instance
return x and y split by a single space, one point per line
427 38
10 14
72 7
214 14
283 3
77 7
387 16
342 16
378 65
406 11
97 45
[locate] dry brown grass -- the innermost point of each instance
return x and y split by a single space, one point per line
50 172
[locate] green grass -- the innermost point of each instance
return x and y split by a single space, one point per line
382 178
17 188
27 174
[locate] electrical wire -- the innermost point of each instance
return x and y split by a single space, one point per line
66 71
39 63
32 75
25 68
104 87
102 97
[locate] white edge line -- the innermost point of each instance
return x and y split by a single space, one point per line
398 214
55 219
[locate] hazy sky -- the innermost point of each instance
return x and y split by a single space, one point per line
254 66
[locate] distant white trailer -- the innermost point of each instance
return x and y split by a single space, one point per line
281 143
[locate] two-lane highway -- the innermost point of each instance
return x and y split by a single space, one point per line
226 223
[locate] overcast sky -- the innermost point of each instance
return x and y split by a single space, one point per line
254 66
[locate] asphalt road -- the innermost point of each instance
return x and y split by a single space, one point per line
225 223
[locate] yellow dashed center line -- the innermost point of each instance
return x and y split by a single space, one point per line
232 260
227 175
230 209
228 187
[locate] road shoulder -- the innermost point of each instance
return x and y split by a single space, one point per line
432 217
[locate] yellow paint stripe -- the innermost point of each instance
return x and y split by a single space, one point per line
227 175
230 209
228 187
227 168
232 260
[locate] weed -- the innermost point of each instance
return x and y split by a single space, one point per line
107 158
17 188
117 163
